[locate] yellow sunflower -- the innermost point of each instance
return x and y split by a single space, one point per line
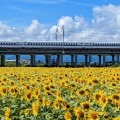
28 96
7 113
3 91
79 113
86 105
93 115
56 105
27 111
35 108
67 116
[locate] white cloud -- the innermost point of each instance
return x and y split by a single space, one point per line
106 23
107 16
6 31
72 23
35 28
105 27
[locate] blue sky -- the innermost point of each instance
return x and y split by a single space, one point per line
81 18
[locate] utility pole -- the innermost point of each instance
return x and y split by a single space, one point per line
63 33
56 36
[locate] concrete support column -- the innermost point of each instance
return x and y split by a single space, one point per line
72 60
118 59
104 60
32 60
90 58
61 60
99 60
58 57
86 60
48 60
2 60
17 60
76 60
113 58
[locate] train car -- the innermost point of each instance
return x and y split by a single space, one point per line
48 44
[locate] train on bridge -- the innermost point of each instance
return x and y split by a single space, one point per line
55 44
59 49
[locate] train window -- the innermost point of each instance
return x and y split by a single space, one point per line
67 44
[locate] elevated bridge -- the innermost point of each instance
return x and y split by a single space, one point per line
60 49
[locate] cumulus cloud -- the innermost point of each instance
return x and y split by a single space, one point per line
35 28
104 27
106 22
6 31
107 17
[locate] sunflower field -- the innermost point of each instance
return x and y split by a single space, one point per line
59 93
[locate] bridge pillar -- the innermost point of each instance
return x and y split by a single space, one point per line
90 59
76 60
32 60
86 60
17 60
2 60
104 60
58 57
99 61
47 60
118 59
113 58
72 60
61 60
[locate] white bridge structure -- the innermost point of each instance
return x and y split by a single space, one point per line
60 49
